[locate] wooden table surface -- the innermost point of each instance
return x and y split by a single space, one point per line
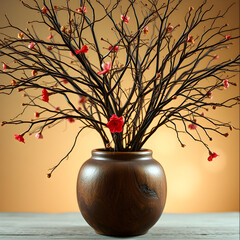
219 226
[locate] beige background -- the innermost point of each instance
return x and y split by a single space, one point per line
194 184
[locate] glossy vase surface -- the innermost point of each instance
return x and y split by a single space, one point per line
121 193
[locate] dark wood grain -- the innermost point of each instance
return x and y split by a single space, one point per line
121 194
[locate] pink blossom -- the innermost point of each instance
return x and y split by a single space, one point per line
125 18
190 39
5 67
106 68
70 120
57 108
19 138
84 49
71 54
145 30
228 37
39 136
212 155
170 28
81 10
50 37
225 83
216 57
192 126
113 49
45 95
31 45
115 124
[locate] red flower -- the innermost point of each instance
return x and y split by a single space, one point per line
34 73
31 45
19 138
225 83
212 155
113 49
44 10
170 28
81 10
65 81
50 37
39 136
125 18
145 30
106 68
5 67
190 39
45 95
115 124
36 114
192 126
216 57
83 100
84 49
71 120
228 37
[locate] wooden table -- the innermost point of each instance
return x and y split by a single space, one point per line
68 226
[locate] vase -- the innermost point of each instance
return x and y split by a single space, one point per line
121 193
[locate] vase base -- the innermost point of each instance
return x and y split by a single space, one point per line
122 235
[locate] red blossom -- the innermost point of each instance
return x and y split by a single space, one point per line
13 83
31 45
115 124
71 120
50 37
212 155
65 81
190 39
83 100
225 83
5 67
145 30
19 138
44 10
125 18
192 126
81 10
84 49
210 94
39 136
21 36
170 28
106 68
228 37
36 114
113 49
34 73
45 95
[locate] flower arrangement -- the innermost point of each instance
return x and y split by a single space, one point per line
143 73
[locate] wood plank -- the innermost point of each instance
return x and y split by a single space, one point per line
221 226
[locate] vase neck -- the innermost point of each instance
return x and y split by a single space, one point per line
101 154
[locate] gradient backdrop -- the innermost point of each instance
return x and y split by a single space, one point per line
194 184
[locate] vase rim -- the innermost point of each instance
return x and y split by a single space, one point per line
103 154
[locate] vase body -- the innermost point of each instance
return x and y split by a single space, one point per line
121 193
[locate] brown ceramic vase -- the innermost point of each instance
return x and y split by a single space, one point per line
121 193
